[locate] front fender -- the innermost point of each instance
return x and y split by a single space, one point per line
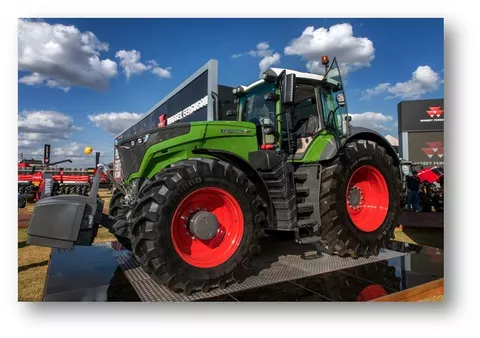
249 171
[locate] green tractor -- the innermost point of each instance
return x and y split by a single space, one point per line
197 197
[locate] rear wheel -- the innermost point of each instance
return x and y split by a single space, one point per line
197 225
359 200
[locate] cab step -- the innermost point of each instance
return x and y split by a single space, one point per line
312 239
302 191
305 223
305 208
300 176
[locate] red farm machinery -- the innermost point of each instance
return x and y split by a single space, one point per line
38 179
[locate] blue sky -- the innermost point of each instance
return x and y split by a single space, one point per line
67 74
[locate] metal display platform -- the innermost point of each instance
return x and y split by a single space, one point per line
285 268
283 272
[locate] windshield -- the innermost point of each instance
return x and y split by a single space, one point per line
253 106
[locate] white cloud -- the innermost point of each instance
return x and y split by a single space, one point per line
375 121
61 56
392 139
32 140
114 122
37 126
72 149
381 88
263 50
130 62
268 61
32 79
162 72
337 41
424 80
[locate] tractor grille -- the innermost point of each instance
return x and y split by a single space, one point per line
131 156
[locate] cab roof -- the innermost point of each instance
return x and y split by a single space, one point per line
300 75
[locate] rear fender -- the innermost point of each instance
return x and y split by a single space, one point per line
359 133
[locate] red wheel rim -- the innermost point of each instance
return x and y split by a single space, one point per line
367 198
370 292
217 250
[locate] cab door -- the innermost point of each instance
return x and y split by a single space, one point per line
334 105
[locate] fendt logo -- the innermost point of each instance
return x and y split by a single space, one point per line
435 113
434 148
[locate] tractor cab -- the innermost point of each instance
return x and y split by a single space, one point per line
317 106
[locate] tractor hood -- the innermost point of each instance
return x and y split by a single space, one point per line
148 152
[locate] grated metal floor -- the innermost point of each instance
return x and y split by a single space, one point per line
279 262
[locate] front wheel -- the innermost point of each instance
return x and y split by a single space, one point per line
195 224
359 200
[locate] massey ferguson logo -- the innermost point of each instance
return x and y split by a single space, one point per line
434 149
435 114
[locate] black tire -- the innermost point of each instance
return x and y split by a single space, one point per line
338 232
152 226
117 210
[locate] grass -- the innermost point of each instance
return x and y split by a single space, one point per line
32 269
33 260
426 236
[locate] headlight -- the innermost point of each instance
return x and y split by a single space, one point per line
139 141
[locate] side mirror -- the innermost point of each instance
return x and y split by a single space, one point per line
269 76
231 112
341 100
288 89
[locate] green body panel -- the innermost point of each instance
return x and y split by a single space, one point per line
316 149
233 136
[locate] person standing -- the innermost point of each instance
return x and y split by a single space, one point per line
413 186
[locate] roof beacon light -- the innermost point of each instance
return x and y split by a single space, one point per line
325 60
